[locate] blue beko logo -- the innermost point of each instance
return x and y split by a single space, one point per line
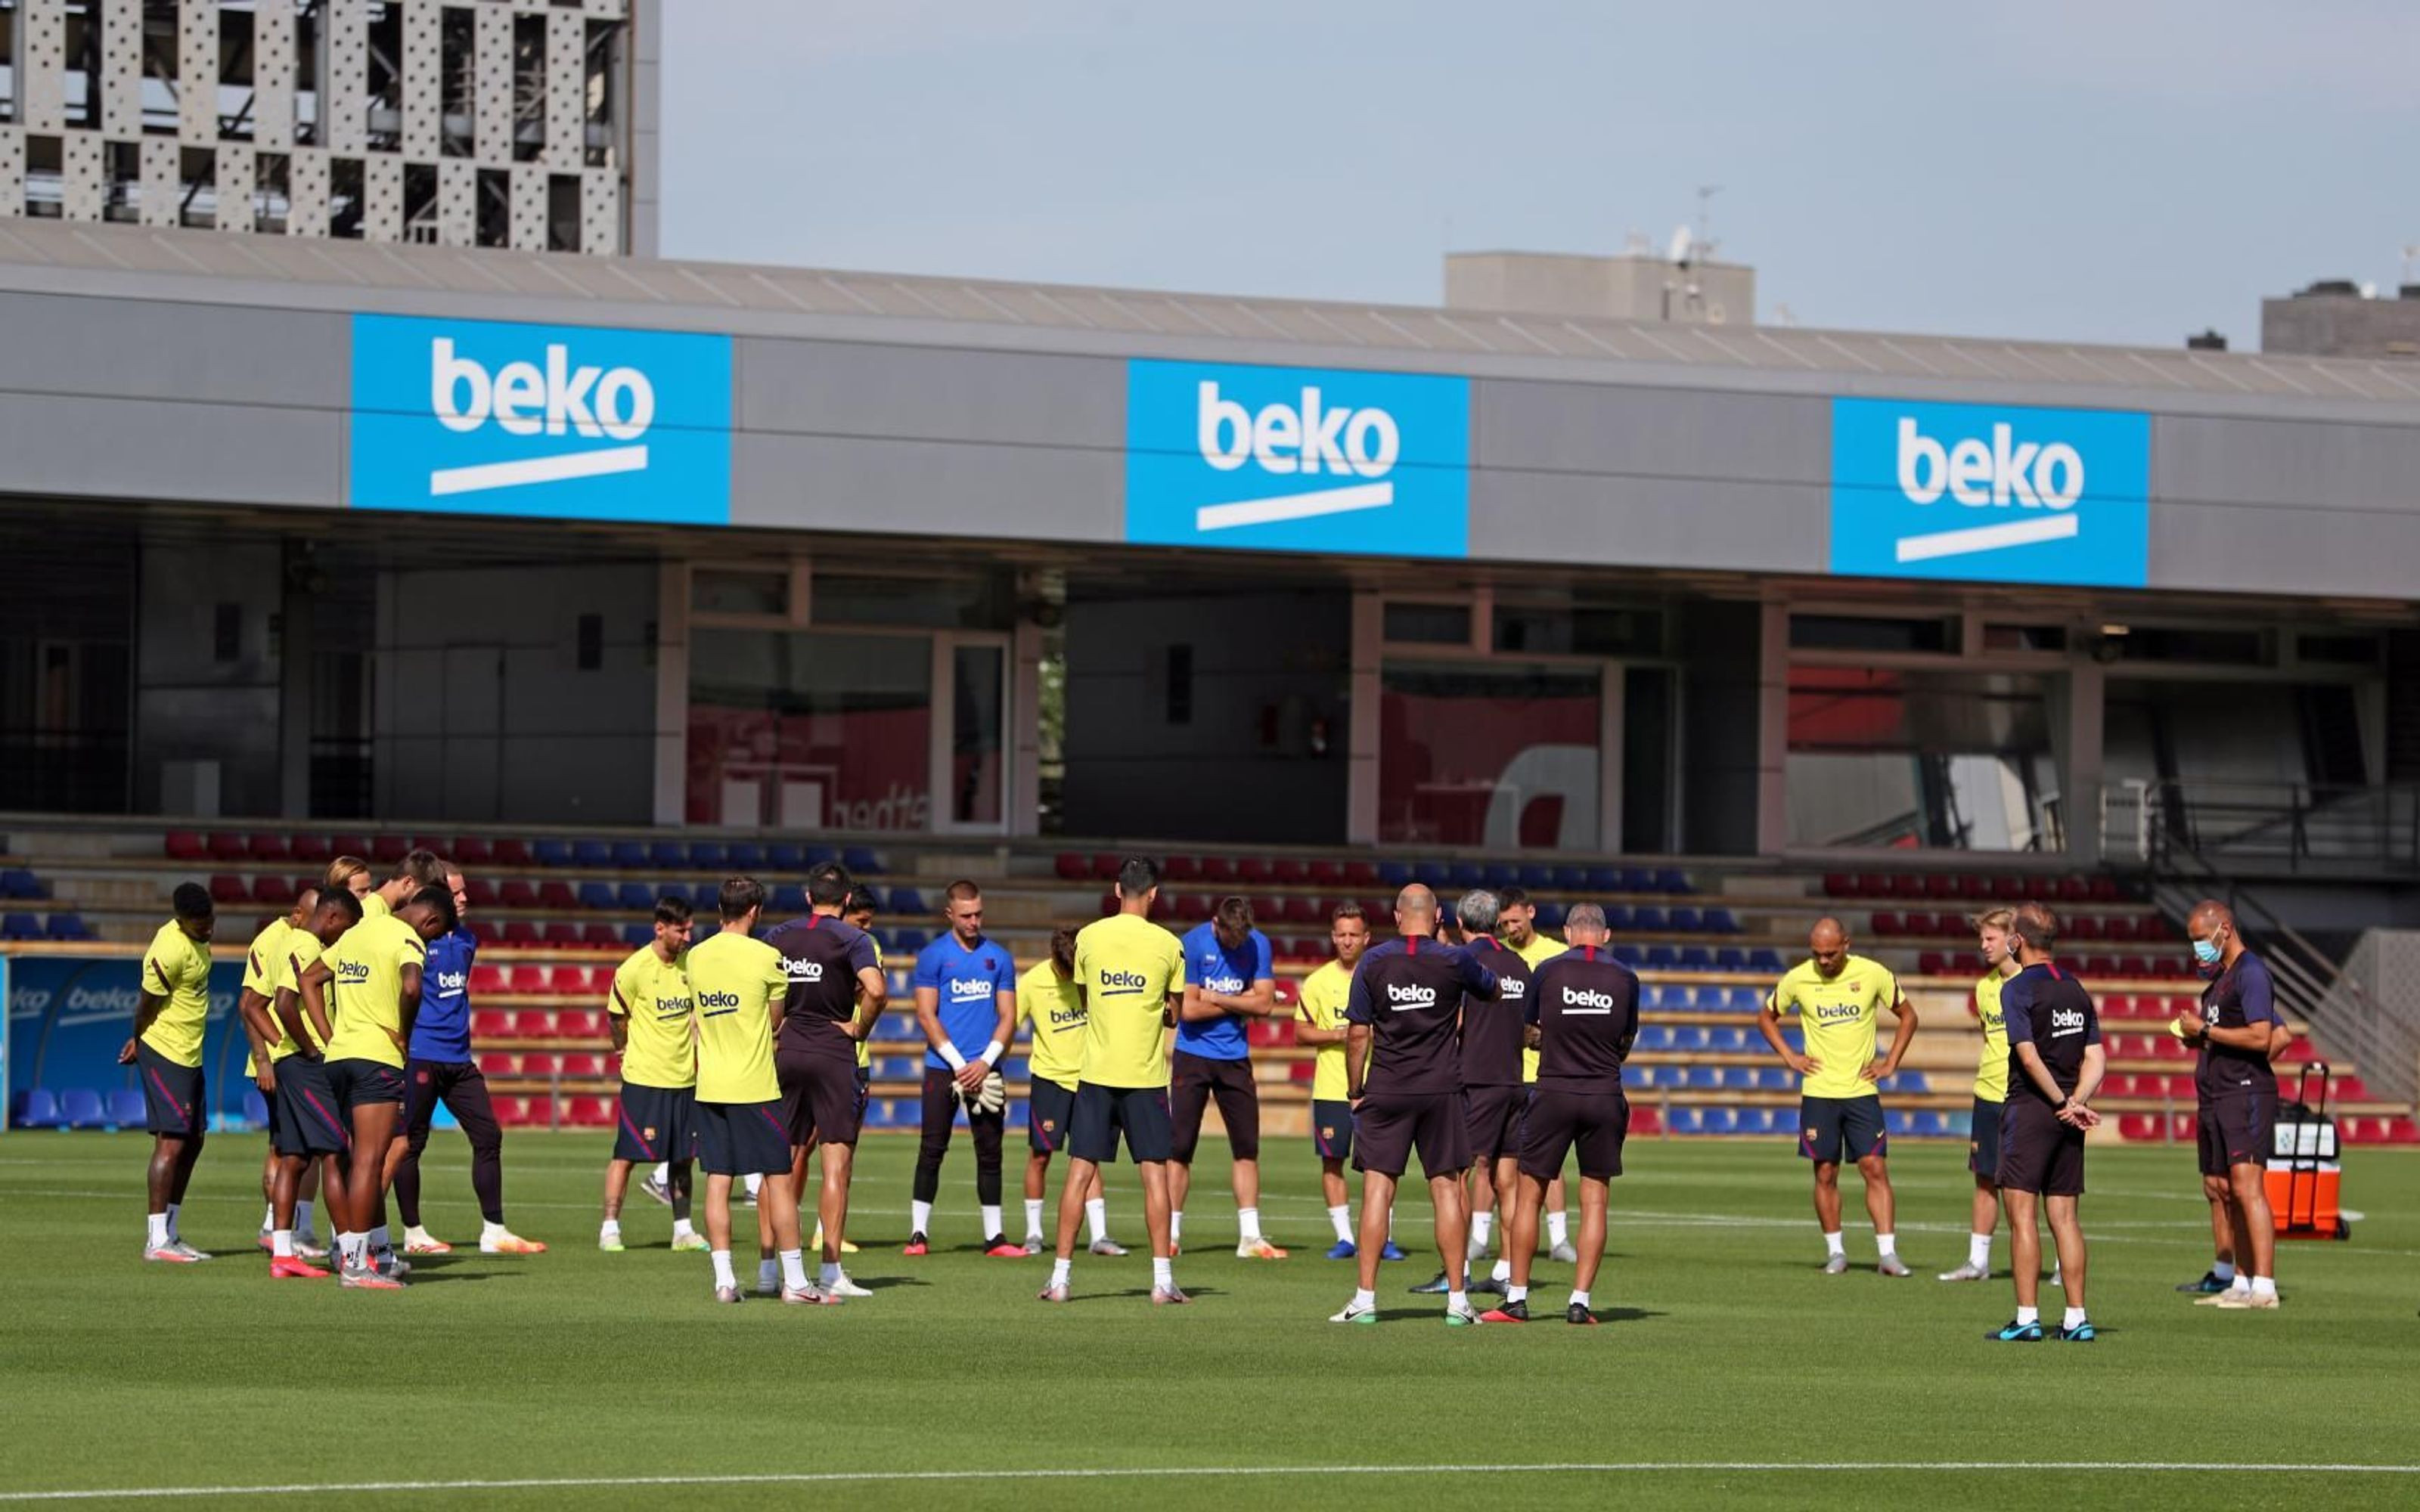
564 421
1994 494
1294 459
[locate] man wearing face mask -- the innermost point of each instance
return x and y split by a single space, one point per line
2237 1031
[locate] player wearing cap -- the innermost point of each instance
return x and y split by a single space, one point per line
256 1008
2238 1032
1403 1071
2055 1067
1991 1092
1229 981
1838 998
171 1014
649 1008
966 987
836 992
1052 1011
1582 1009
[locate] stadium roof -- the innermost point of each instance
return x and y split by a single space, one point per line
290 272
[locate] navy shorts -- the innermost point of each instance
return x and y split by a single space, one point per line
1825 1124
360 1083
655 1124
1495 1120
742 1138
1103 1113
173 1095
1332 1129
1434 1123
1983 1141
306 1118
1593 1123
2037 1153
2236 1130
821 1100
1048 1106
1194 1081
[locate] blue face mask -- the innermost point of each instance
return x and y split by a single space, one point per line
2206 952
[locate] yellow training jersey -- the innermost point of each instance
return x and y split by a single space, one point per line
1992 1072
1839 1015
739 983
302 952
866 1046
368 960
1050 1006
655 996
1322 1007
1535 954
260 964
1125 965
375 906
177 967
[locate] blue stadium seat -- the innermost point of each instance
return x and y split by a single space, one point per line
1673 881
638 936
1619 918
745 856
1720 922
1686 1121
1395 873
1535 876
788 898
1498 874
255 1107
1648 920
638 895
1688 1038
1735 1078
126 1108
1630 955
1603 879
598 895
1656 996
1013 1068
1663 958
786 856
631 856
1654 1037
80 1107
1765 958
897 1067
708 855
1705 1078
1720 1120
591 853
1905 1080
863 861
706 898
910 941
71 927
34 1107
906 900
1551 916
1897 1121
1635 1075
1465 874
550 852
818 854
1571 878
669 855
20 884
1631 879
1697 958
1731 958
1730 1039
20 927
1683 921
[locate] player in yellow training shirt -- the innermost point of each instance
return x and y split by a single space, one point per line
739 983
172 1011
366 988
306 1130
1130 974
1517 927
1052 1011
1838 999
650 1007
256 1012
1319 1020
1990 1090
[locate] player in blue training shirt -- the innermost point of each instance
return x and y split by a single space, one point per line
966 996
1227 983
438 1068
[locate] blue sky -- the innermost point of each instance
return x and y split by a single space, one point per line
2125 170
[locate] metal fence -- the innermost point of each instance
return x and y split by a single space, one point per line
2290 827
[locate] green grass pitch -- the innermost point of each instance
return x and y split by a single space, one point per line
1724 1347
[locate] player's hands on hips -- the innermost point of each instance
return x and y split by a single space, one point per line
126 1056
971 1076
1874 1070
1803 1065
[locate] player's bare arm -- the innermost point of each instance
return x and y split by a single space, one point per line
1904 1012
1768 1023
313 987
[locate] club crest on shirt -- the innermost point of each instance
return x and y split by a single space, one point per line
1050 1126
649 1134
1328 1131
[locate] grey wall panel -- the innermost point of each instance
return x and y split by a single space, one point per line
1723 527
2285 506
2287 463
1650 433
139 348
2248 549
149 449
927 487
815 388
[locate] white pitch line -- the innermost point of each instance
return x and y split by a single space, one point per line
1180 1472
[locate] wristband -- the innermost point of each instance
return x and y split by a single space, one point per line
949 1053
992 1052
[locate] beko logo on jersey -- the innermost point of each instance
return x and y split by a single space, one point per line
2066 1021
726 1001
803 970
1400 996
1577 999
1839 1013
1121 983
355 972
671 1007
967 989
1222 984
1066 1018
1510 989
450 983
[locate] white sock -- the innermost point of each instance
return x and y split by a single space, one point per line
1832 1245
1033 1215
1978 1251
417 1235
1340 1219
171 1216
1096 1217
1513 1294
722 1276
920 1218
491 1233
991 1221
768 1273
1580 1298
681 1229
2264 1286
268 1219
352 1250
755 1182
2074 1318
159 1238
1456 1302
1481 1224
281 1243
379 1240
2028 1315
1176 1228
302 1216
1503 1271
1887 1244
1366 1302
610 1228
2243 1282
1060 1269
794 1270
829 1274
663 1173
1391 1223
2224 1270
1249 1218
1163 1273
1558 1226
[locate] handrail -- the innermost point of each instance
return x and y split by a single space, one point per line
2297 825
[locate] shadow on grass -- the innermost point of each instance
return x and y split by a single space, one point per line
1142 1294
884 1283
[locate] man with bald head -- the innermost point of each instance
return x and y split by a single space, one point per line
1403 1076
1838 998
2237 1031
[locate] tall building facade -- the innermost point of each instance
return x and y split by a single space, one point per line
475 123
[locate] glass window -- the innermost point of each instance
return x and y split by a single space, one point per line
1841 632
2339 650
809 729
2162 642
1580 632
1959 760
1428 625
978 676
1489 755
2025 637
982 602
740 590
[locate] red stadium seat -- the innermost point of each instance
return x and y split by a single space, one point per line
600 936
470 850
1105 865
582 1066
1181 869
540 1063
588 1113
186 846
1360 873
274 892
1871 885
1941 887
1301 1070
1934 963
1070 867
354 845
555 895
1266 1032
492 981
539 1113
499 1063
390 849
1890 923
2137 1127
1218 869
1254 870
492 1024
1840 885
226 847
561 934
1646 1120
514 852
1289 871
2083 927
517 893
312 850
580 1024
229 889
1325 873
520 935
482 893
512 1112
268 846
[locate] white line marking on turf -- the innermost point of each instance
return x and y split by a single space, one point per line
1178 1471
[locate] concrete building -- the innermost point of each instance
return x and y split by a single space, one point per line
1635 285
527 124
2334 318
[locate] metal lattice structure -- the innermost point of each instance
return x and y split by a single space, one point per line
460 123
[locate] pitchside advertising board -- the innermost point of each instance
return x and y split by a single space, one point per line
1297 459
558 421
1990 494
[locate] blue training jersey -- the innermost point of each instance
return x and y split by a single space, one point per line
1212 967
442 1031
968 980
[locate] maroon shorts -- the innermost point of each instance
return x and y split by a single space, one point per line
1388 1129
2037 1153
1594 1123
2236 1130
1495 1121
1194 1081
820 1101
